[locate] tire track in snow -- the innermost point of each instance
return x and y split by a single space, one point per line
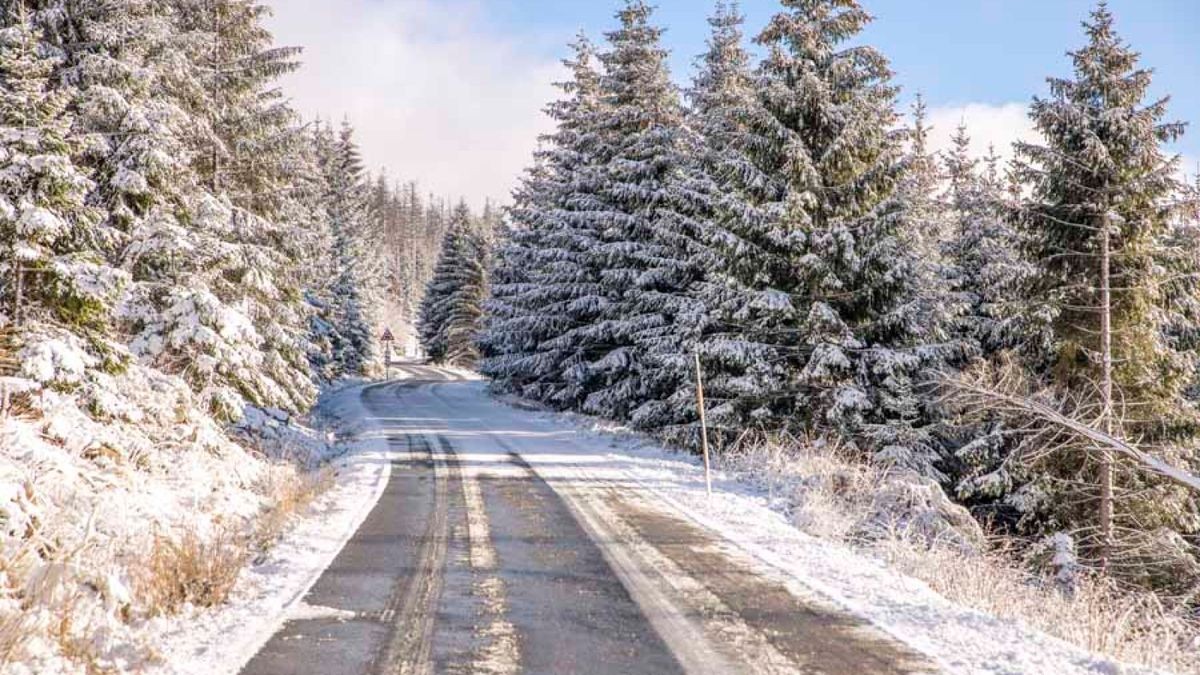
412 612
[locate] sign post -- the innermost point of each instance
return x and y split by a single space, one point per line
387 339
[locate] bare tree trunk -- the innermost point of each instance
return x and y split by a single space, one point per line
216 94
1106 393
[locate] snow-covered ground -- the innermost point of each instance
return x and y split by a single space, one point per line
91 479
272 590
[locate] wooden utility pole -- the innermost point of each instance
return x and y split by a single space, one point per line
1106 391
703 426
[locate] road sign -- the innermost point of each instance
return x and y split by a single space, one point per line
387 335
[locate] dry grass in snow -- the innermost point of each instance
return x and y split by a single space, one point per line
123 501
190 570
830 495
288 492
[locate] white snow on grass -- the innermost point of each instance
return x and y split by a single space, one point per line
272 591
562 447
93 480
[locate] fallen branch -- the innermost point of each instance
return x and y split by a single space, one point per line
1097 436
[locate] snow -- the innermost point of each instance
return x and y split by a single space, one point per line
271 592
40 223
91 476
61 361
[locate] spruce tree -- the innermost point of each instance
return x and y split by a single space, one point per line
853 239
649 225
350 291
981 251
744 372
1102 176
546 284
985 274
218 257
55 266
707 155
451 314
820 299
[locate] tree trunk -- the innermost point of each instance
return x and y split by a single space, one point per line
1106 393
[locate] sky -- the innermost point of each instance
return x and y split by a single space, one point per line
450 92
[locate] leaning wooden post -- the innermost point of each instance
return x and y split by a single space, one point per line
18 290
703 426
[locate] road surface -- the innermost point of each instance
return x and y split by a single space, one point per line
498 547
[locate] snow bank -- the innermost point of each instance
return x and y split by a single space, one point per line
97 463
202 643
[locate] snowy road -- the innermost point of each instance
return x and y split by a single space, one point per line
504 543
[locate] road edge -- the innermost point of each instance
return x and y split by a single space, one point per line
239 631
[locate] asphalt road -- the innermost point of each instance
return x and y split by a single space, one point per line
476 561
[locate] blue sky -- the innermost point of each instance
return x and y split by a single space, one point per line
955 52
450 92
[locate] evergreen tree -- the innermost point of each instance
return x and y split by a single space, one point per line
451 314
985 274
349 293
546 285
854 240
738 346
820 299
55 267
216 297
648 225
919 190
982 251
1102 171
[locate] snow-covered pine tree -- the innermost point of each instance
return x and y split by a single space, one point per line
464 321
859 321
217 297
720 94
249 154
55 267
249 134
647 219
351 291
985 273
920 187
981 250
120 57
745 370
723 89
451 315
545 285
1103 169
821 305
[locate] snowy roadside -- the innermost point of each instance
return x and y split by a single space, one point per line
202 642
959 639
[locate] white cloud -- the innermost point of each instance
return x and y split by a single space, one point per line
434 94
997 126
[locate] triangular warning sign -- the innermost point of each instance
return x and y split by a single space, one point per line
387 335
